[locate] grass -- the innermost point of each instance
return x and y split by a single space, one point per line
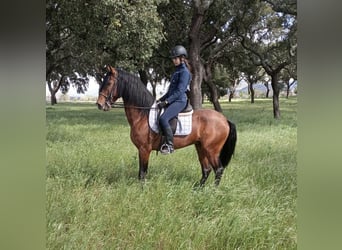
94 200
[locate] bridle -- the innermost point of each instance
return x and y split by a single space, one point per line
103 96
109 97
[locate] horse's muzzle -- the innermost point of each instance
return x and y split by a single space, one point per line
104 107
99 106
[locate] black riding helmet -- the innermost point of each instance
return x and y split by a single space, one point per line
178 50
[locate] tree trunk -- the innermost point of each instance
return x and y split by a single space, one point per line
195 89
274 83
214 96
267 90
251 90
54 89
208 76
287 90
197 76
195 59
53 98
154 91
143 76
276 111
231 95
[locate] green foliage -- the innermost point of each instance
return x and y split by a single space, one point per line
95 201
84 36
268 36
135 29
222 79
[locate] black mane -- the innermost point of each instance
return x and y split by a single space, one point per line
133 91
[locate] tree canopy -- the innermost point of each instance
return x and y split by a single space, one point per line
83 36
235 37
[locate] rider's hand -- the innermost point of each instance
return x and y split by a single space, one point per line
162 104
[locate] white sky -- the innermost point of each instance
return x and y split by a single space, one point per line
92 90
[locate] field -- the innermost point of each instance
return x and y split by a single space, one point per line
95 201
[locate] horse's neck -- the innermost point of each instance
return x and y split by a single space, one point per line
136 103
134 116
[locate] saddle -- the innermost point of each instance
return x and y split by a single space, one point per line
181 125
173 122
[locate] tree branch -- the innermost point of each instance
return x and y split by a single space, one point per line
283 8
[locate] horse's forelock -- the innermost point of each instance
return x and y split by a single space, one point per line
104 81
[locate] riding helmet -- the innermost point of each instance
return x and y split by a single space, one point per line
178 50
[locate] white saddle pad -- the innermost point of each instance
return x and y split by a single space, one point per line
184 121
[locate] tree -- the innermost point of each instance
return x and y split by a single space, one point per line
289 77
202 27
197 40
270 38
242 61
83 36
68 44
215 84
224 78
209 34
253 74
267 36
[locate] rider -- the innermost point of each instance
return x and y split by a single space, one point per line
175 99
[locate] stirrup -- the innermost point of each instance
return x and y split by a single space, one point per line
166 149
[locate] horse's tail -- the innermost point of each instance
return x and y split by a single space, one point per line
229 146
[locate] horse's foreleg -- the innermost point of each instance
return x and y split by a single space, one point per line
143 163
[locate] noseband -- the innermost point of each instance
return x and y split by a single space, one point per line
105 96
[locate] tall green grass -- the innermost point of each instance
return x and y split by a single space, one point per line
95 201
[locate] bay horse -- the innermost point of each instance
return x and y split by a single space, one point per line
212 134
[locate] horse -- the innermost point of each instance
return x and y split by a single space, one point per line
213 135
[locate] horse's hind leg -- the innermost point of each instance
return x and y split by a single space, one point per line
218 174
213 159
205 175
206 169
215 162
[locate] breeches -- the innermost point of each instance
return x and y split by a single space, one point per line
170 112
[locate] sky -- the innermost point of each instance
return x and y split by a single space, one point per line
92 90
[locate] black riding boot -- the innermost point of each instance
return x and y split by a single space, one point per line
167 147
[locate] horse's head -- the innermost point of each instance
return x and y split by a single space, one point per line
108 93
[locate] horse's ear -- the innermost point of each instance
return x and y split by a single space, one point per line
110 69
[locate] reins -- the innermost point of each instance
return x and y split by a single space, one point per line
119 105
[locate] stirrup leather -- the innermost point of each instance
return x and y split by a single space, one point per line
166 149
